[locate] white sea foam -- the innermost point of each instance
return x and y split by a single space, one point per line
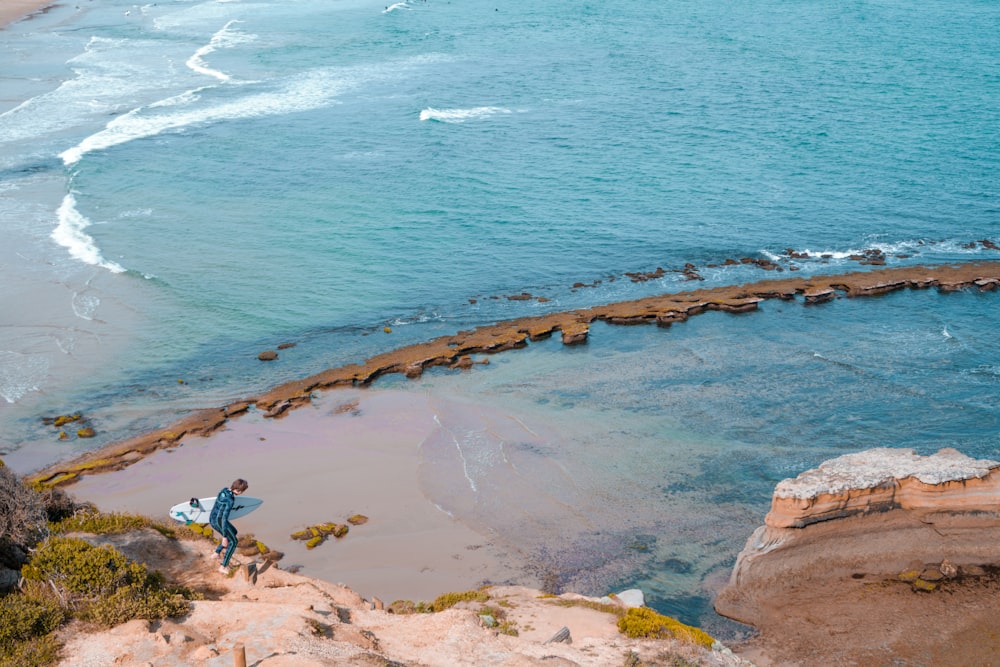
105 75
309 90
303 93
21 373
224 38
85 305
889 249
69 234
136 213
395 6
461 115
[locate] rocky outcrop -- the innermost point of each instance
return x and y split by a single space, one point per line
867 516
879 480
876 558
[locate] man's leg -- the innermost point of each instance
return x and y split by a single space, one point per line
230 539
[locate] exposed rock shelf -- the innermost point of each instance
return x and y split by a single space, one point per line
574 326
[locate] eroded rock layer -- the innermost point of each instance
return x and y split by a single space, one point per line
866 517
879 480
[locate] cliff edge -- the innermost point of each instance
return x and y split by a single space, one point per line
275 618
879 557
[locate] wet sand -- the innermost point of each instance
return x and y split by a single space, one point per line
348 453
12 10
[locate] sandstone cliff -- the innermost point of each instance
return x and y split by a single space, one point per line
873 556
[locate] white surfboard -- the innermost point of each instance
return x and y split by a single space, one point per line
197 510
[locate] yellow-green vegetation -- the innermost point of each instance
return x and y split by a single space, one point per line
316 535
612 609
403 607
198 529
71 578
72 473
449 600
909 575
319 629
25 634
643 622
503 625
357 519
85 432
107 523
101 585
62 420
925 586
52 482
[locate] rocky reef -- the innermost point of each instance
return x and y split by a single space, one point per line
456 351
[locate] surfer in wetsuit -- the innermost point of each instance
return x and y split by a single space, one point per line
219 520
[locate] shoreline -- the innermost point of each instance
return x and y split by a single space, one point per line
456 351
343 456
14 10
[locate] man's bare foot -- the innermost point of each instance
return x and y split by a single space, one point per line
223 570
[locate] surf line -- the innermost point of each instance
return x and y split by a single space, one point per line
450 351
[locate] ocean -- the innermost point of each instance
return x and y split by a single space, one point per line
184 184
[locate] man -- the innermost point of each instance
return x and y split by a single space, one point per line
219 520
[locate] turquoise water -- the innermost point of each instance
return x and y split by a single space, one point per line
184 184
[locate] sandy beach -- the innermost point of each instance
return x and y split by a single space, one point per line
349 453
12 10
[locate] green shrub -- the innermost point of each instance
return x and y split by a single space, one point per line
35 652
643 622
106 523
27 617
449 600
79 567
607 608
135 601
102 584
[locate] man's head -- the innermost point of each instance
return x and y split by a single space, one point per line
239 486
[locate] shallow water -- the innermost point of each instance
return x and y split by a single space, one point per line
648 456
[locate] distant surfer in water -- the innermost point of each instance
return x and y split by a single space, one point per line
219 520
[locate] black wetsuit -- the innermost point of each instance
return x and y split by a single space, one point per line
219 520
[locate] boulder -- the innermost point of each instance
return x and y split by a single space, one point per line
9 579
